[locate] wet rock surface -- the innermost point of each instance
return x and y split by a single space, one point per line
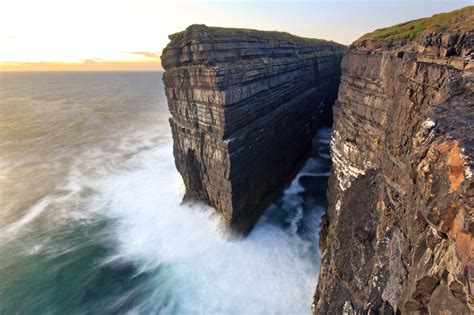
245 107
398 233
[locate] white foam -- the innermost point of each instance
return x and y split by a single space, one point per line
270 271
50 200
325 156
94 163
32 213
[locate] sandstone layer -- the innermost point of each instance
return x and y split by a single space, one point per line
245 106
398 233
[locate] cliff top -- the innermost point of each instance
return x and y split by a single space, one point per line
244 33
204 45
458 20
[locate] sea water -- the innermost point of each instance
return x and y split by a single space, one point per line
91 219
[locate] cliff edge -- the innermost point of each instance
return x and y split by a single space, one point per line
398 233
245 105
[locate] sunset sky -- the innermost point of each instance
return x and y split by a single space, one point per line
130 34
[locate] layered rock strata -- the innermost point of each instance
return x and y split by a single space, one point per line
245 106
398 233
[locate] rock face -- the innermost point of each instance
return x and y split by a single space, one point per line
245 106
398 233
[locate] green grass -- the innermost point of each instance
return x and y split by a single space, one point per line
458 20
250 33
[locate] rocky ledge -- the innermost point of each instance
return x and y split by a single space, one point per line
398 232
245 105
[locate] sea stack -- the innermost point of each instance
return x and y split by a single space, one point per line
398 232
245 106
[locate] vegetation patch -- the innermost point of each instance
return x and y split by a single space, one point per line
458 20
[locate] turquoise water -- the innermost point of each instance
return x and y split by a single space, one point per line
91 220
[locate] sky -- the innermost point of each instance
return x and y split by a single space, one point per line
84 35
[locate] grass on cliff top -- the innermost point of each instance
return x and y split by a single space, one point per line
462 19
251 33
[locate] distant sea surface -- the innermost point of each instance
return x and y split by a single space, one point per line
91 220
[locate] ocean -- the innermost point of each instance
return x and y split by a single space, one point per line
91 219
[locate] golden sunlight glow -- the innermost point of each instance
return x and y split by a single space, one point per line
87 35
130 34
87 65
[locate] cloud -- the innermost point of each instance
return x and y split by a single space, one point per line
148 54
10 37
89 62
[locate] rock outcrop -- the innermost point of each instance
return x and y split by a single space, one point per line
398 232
245 106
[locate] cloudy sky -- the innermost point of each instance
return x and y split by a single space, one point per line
130 34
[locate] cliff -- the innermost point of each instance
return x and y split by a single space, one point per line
398 232
245 105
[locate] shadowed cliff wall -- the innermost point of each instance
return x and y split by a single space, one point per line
245 106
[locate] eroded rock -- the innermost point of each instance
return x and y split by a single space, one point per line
245 106
401 241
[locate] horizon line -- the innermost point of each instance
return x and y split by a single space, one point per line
81 66
131 70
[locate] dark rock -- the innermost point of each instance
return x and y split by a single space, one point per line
315 187
398 230
245 106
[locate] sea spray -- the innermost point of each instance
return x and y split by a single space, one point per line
271 270
92 219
